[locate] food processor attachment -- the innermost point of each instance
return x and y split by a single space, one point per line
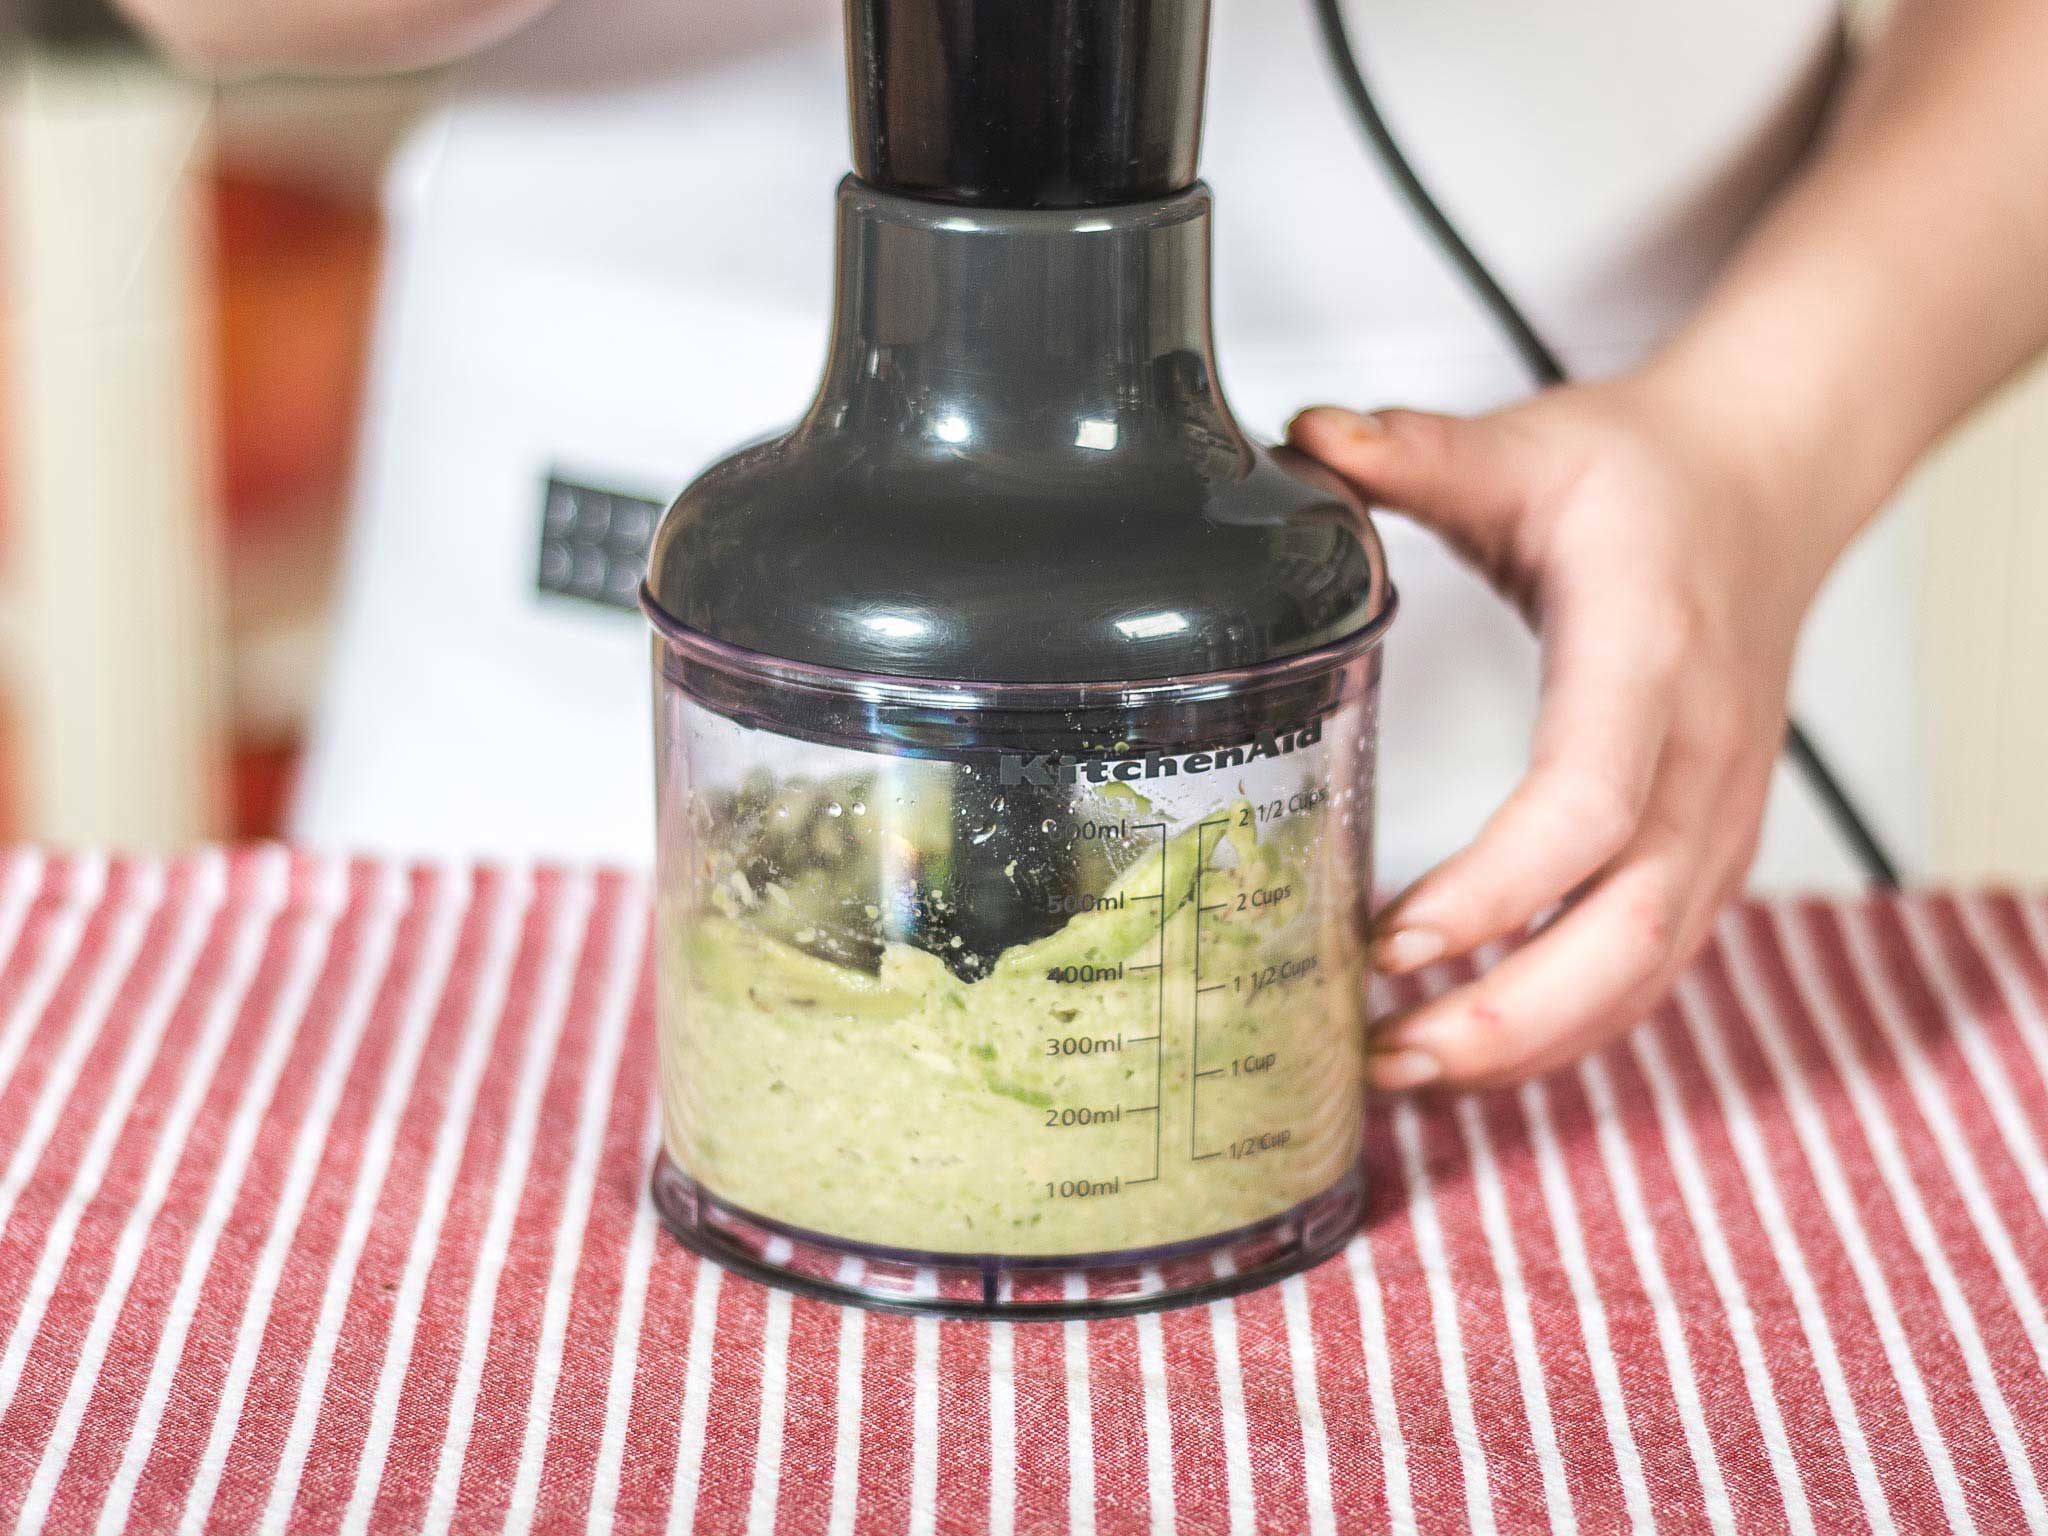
1015 718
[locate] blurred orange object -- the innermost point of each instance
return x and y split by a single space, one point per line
297 276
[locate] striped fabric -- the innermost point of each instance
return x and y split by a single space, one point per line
322 1209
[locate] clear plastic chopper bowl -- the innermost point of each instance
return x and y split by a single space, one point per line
956 1020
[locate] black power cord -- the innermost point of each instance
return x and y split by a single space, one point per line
1548 369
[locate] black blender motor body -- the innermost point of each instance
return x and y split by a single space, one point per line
1017 540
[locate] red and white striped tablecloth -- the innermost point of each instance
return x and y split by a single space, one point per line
323 1209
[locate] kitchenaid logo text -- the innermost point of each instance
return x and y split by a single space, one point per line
1058 768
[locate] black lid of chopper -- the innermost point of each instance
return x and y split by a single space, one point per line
1027 103
1019 466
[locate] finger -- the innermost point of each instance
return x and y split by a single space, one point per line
1722 875
1464 477
1548 999
1600 966
1405 1054
1612 660
1717 881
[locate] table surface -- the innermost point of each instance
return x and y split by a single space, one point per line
323 1208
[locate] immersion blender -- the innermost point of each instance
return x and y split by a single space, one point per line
1015 720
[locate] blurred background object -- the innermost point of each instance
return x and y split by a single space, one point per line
186 286
186 280
118 718
1983 624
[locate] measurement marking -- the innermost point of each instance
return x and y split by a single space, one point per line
1203 1157
1141 1109
1128 1183
1215 906
1213 987
1140 1039
1158 897
1195 1072
1158 967
1152 967
1212 1072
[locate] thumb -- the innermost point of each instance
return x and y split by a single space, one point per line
1465 477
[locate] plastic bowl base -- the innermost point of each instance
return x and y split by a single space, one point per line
1001 1286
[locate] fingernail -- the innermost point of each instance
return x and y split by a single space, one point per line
1351 424
1408 949
1399 1071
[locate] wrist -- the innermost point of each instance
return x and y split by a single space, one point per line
1793 453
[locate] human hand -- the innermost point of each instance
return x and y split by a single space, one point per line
1667 573
232 36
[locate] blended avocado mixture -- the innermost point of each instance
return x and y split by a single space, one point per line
1179 1056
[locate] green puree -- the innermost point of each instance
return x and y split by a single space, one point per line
1011 1113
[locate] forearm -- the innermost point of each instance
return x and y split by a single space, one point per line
241 35
1901 278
